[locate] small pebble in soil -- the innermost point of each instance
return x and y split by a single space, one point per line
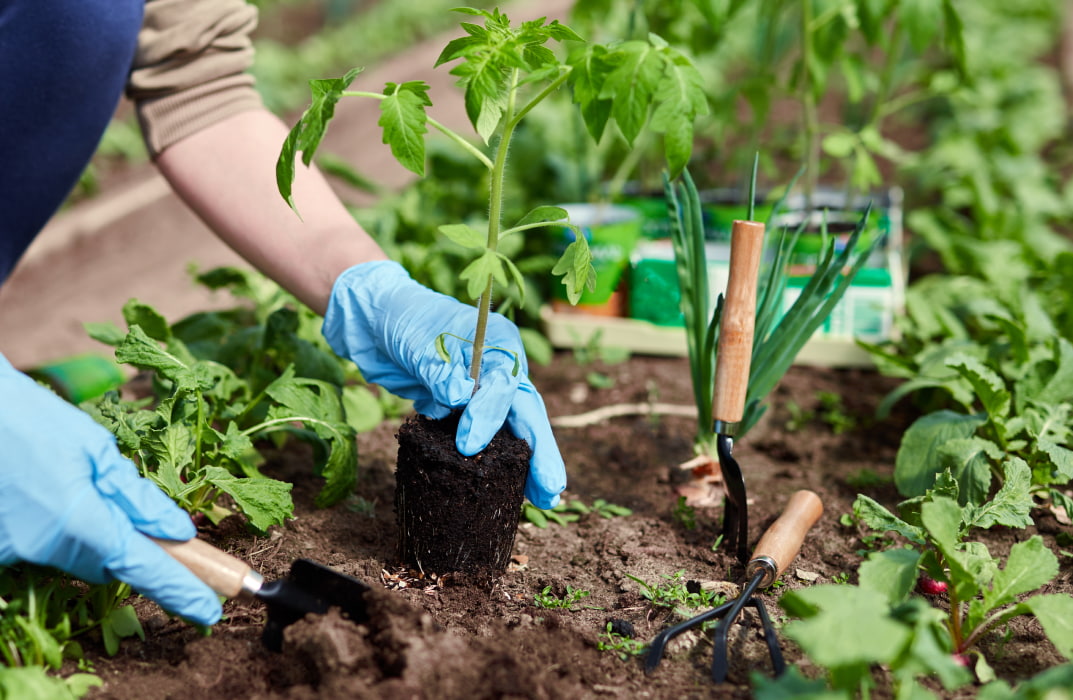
623 628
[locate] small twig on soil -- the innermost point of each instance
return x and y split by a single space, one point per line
604 413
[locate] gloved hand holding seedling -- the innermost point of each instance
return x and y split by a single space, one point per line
506 71
422 345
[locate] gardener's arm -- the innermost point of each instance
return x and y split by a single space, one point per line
206 129
226 173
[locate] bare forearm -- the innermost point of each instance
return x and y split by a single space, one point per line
226 174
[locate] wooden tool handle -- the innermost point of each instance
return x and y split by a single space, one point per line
782 541
227 575
736 325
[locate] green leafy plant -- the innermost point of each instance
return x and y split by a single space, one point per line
571 511
547 599
677 594
35 682
850 629
505 71
196 440
269 330
873 62
684 514
833 412
799 417
998 381
42 615
594 350
906 633
622 645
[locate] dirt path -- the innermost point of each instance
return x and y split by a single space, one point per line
137 239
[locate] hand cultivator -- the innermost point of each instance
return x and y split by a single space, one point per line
732 375
776 549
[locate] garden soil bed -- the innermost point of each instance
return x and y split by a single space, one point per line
481 638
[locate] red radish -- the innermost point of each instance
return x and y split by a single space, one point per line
929 586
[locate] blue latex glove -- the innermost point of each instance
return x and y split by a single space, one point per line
387 324
68 499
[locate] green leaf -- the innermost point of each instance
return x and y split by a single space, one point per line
477 273
340 471
319 407
124 621
632 85
1059 386
107 332
575 267
1029 566
542 214
1061 458
918 459
844 626
1055 613
929 651
488 55
892 572
589 70
136 313
140 350
875 516
173 449
535 515
679 98
403 118
239 447
34 682
792 685
966 459
306 397
840 144
307 134
363 409
78 683
971 567
538 350
988 385
1012 504
441 347
465 236
264 501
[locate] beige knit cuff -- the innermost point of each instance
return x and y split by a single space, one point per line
166 120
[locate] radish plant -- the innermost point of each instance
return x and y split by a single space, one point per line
851 629
505 71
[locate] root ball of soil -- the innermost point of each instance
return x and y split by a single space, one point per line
457 513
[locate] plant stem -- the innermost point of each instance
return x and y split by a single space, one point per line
808 104
626 167
285 420
200 427
495 211
955 619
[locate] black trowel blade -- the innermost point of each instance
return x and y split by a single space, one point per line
309 588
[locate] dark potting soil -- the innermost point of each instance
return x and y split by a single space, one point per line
457 513
478 638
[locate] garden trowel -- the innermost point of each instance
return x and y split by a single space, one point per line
732 375
308 588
